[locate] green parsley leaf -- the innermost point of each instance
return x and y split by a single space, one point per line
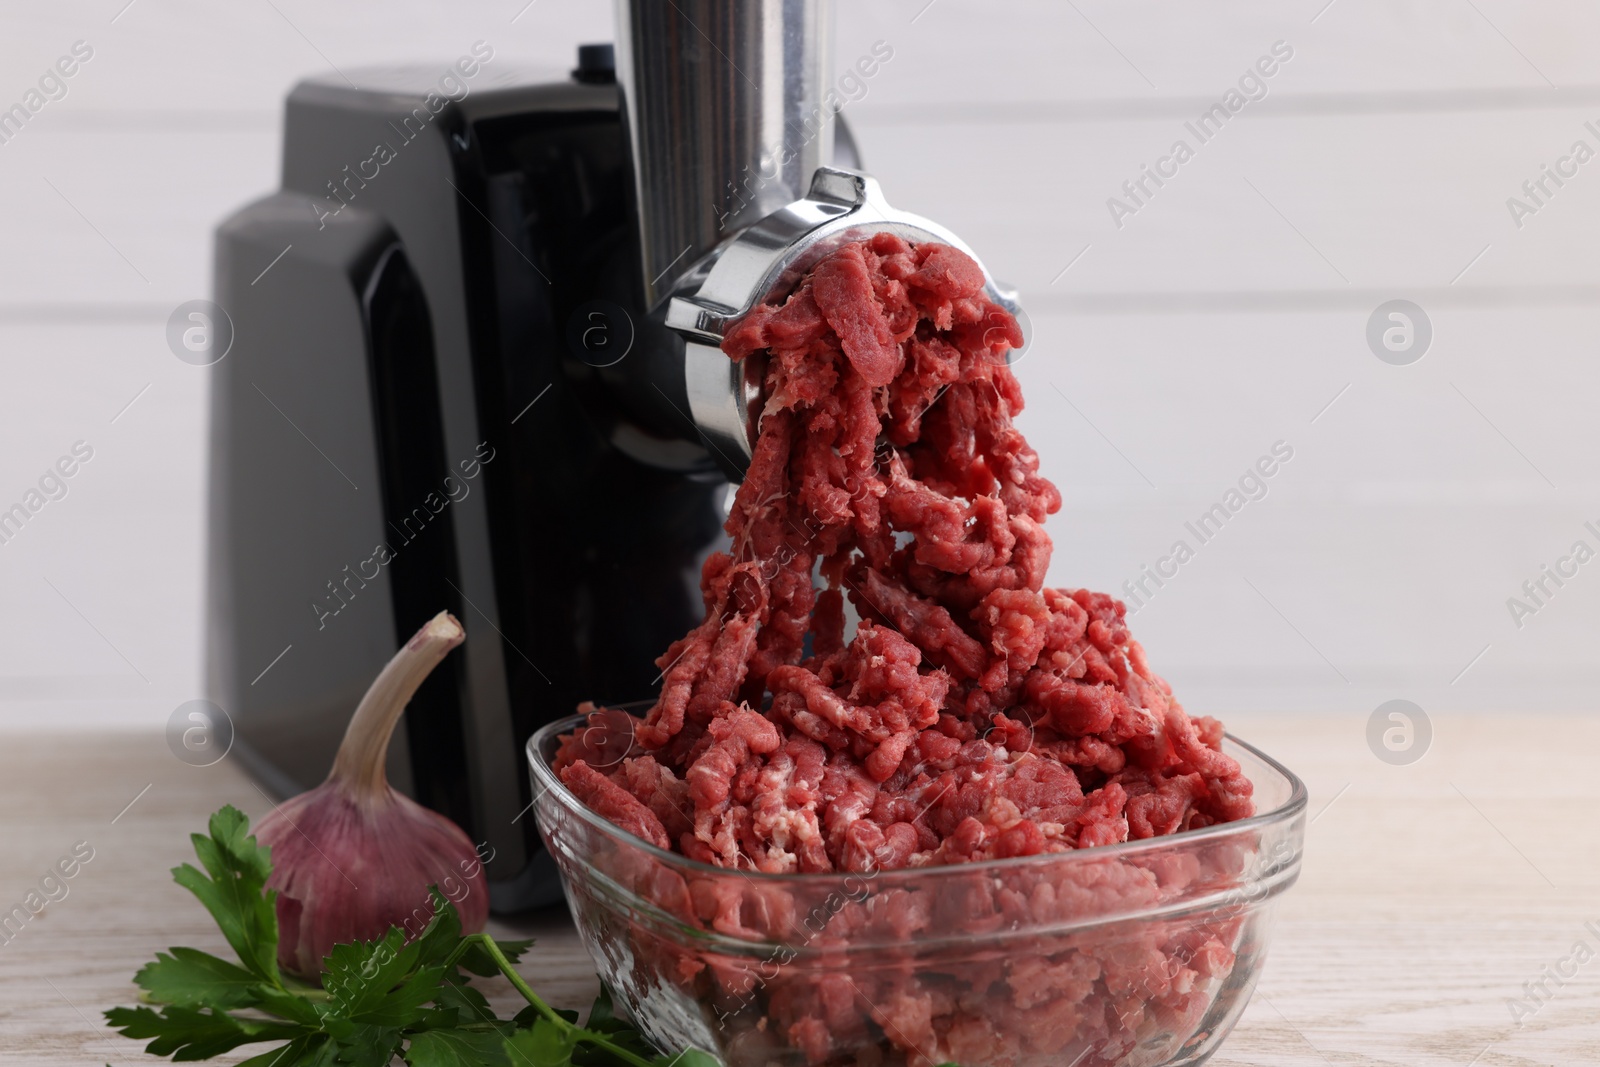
602 1015
291 1006
458 995
603 1019
477 960
359 975
541 1045
191 978
457 1048
443 933
309 1050
233 894
367 1046
190 1034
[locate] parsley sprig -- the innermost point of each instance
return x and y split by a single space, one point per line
379 999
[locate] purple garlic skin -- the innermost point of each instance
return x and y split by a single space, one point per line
352 857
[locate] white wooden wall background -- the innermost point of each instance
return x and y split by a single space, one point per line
1221 318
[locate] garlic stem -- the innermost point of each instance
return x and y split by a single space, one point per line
359 766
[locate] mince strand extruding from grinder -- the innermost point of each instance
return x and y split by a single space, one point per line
974 714
352 857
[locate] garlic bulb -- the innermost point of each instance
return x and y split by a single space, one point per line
352 857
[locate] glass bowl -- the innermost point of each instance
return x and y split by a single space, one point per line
1142 953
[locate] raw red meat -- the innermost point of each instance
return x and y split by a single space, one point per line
972 714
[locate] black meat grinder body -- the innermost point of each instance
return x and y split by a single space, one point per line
445 391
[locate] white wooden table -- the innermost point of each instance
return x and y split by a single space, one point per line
1430 894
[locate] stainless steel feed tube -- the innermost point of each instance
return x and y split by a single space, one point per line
723 104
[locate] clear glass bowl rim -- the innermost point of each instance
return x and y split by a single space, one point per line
545 778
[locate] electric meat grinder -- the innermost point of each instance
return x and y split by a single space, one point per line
475 366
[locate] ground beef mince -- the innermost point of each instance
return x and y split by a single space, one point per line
971 713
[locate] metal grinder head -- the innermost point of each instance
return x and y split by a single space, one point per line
763 264
736 191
